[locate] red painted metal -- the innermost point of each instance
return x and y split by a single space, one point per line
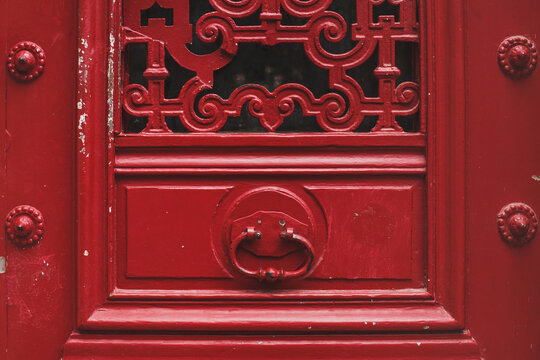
389 246
26 61
272 274
343 109
4 208
501 169
38 158
25 226
517 223
518 56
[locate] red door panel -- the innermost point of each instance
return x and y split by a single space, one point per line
272 179
38 157
502 283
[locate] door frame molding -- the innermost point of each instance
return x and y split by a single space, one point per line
4 28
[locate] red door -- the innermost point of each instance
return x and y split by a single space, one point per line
270 179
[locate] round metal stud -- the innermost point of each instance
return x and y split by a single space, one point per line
517 56
517 223
24 226
26 61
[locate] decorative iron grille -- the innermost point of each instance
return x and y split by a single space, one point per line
271 66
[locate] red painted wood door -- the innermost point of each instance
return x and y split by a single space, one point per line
269 179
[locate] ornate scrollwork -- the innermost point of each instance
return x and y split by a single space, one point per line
236 8
342 108
303 8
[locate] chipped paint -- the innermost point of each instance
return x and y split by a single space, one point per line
82 135
3 265
82 121
536 177
83 89
83 66
86 253
110 88
111 61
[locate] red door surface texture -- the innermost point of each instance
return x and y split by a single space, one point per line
270 179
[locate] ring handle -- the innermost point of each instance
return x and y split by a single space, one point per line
271 274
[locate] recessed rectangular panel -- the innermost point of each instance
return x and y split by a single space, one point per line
167 231
370 231
367 234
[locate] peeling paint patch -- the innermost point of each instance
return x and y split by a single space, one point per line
83 69
110 88
112 60
83 66
82 121
3 265
82 135
536 177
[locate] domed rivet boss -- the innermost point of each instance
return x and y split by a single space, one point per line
24 226
517 56
26 61
517 223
